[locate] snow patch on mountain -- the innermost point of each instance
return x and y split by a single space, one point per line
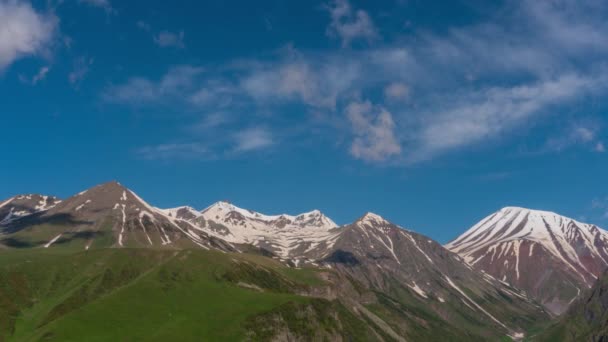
282 234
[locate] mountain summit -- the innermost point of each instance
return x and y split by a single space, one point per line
550 256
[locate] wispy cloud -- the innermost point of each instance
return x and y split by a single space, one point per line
170 39
24 32
298 79
253 138
396 91
142 25
140 91
488 114
39 76
80 69
192 150
374 132
576 134
434 93
236 143
348 24
103 4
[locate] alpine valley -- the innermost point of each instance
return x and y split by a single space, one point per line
106 265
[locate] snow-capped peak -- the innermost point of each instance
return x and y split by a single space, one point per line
223 210
519 233
512 223
373 220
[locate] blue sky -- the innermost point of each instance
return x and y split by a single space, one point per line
431 114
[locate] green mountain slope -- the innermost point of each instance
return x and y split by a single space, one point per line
193 295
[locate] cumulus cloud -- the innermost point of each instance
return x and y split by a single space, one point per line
348 24
374 131
170 39
24 31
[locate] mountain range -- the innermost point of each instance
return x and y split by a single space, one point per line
504 277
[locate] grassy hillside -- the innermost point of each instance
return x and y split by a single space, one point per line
57 294
159 295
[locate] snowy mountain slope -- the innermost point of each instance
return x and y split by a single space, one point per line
287 236
24 205
550 256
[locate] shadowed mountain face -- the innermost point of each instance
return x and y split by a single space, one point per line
552 257
586 319
402 280
393 260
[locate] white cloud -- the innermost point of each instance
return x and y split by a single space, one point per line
314 81
349 25
485 115
374 132
474 84
24 31
170 39
253 138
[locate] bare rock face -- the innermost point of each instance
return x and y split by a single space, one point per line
552 257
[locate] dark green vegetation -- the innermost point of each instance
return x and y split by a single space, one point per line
585 320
